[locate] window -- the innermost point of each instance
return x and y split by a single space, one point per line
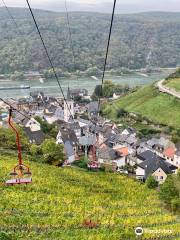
161 177
156 177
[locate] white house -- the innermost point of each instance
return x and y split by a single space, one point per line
177 159
32 124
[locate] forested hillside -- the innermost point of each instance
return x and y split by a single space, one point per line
138 40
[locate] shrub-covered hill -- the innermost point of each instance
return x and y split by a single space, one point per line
137 40
68 203
150 103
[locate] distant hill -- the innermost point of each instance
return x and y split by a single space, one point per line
138 40
69 203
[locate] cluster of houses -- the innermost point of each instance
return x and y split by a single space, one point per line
102 141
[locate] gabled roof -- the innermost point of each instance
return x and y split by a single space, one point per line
68 134
151 165
148 155
108 154
130 130
35 136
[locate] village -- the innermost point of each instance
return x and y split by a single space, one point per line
102 143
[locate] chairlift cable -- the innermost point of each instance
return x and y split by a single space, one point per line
70 37
11 106
9 13
106 55
48 56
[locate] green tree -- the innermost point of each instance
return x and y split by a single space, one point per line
48 129
168 191
8 138
151 182
108 89
52 152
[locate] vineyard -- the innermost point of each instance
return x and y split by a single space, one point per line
69 203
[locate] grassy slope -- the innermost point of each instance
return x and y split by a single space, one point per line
149 102
174 83
59 200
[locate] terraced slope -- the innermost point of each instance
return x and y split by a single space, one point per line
74 204
148 102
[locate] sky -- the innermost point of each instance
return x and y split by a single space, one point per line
122 6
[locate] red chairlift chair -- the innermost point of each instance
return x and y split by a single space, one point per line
21 173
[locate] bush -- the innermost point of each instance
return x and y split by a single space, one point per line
52 152
121 113
5 236
151 182
80 163
175 205
168 191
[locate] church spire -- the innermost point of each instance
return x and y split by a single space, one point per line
68 94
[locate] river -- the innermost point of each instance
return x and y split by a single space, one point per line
50 87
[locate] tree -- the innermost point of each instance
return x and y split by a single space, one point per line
151 182
48 129
108 89
168 190
52 152
98 91
8 138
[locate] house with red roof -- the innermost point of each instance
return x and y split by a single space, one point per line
172 156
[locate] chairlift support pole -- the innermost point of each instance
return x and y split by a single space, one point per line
20 170
17 137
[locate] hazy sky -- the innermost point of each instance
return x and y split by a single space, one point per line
123 6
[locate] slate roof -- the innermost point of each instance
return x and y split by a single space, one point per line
121 138
111 139
149 155
152 142
68 149
74 125
87 140
153 164
52 108
92 107
68 134
108 154
131 140
35 136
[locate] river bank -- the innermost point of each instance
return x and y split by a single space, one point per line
50 87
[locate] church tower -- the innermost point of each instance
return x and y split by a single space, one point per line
68 107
